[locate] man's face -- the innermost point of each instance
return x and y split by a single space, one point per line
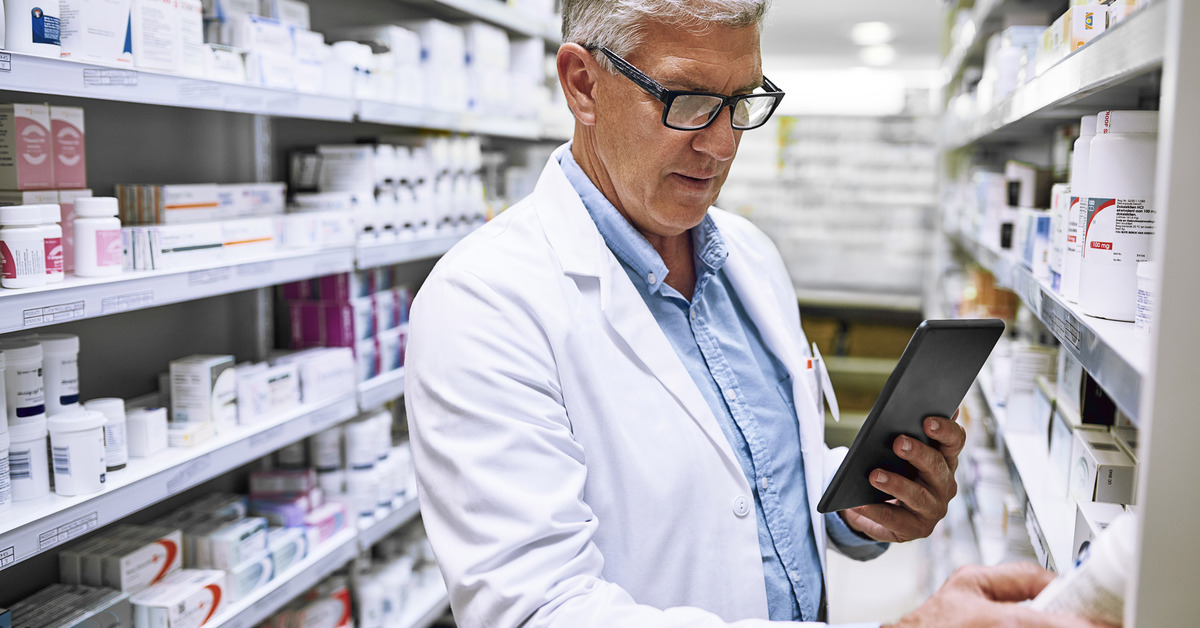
664 179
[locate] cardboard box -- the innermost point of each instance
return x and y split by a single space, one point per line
237 542
70 158
192 50
26 148
288 546
1100 470
247 577
185 599
156 34
204 389
287 12
1091 518
96 31
324 372
138 564
71 606
28 197
265 391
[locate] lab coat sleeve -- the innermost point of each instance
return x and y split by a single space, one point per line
843 539
500 478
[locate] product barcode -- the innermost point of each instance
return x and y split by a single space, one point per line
19 467
62 460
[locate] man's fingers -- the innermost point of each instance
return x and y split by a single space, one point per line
948 436
1012 582
933 467
914 496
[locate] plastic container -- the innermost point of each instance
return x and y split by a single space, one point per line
1120 225
116 442
22 247
60 373
29 461
1077 213
325 450
1147 296
361 447
1060 205
5 485
77 452
23 388
293 456
98 245
52 240
32 27
1096 588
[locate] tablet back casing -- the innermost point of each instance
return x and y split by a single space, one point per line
933 376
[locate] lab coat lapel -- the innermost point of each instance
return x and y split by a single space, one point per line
582 252
780 331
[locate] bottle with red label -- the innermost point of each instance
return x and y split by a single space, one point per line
1118 231
52 238
22 247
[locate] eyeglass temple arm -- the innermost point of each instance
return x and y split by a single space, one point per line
634 74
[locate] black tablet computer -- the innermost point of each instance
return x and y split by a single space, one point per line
934 374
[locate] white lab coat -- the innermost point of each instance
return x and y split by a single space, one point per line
570 473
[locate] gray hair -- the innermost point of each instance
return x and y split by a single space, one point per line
618 24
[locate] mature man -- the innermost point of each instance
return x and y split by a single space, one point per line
612 420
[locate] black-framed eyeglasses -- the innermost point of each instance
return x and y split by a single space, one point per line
692 111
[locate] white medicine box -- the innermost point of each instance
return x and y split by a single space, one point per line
1100 470
204 389
1091 519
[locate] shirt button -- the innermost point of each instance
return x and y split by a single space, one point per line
652 279
730 395
741 506
694 314
795 576
763 482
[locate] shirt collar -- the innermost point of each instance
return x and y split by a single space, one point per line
630 246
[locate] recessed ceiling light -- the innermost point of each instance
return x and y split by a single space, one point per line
871 33
877 56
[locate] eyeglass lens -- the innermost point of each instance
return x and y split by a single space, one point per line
692 111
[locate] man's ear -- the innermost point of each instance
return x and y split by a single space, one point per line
577 73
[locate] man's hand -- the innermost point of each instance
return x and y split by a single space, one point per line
977 597
921 503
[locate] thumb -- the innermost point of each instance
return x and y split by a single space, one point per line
1013 582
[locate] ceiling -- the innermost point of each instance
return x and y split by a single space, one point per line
819 31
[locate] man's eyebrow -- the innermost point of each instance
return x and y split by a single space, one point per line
691 86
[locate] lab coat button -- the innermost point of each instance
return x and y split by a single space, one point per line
741 506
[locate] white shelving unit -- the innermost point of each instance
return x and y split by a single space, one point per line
1152 381
41 525
381 389
373 255
1115 356
88 297
425 606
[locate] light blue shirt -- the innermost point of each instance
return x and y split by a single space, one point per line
748 389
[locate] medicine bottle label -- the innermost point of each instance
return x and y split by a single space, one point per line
54 255
67 377
25 392
5 484
1118 230
45 27
22 261
1076 215
108 247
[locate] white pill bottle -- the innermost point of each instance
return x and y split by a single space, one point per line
1119 230
98 244
1077 212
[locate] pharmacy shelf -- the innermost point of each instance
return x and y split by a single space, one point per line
1114 355
500 14
970 52
1083 83
64 77
381 389
425 606
37 526
382 527
88 297
326 558
418 117
1055 513
388 253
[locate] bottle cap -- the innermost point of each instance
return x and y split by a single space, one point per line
58 343
1087 126
21 350
75 421
1126 122
21 215
112 408
32 430
96 207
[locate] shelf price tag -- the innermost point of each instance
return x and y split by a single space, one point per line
5 66
105 78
